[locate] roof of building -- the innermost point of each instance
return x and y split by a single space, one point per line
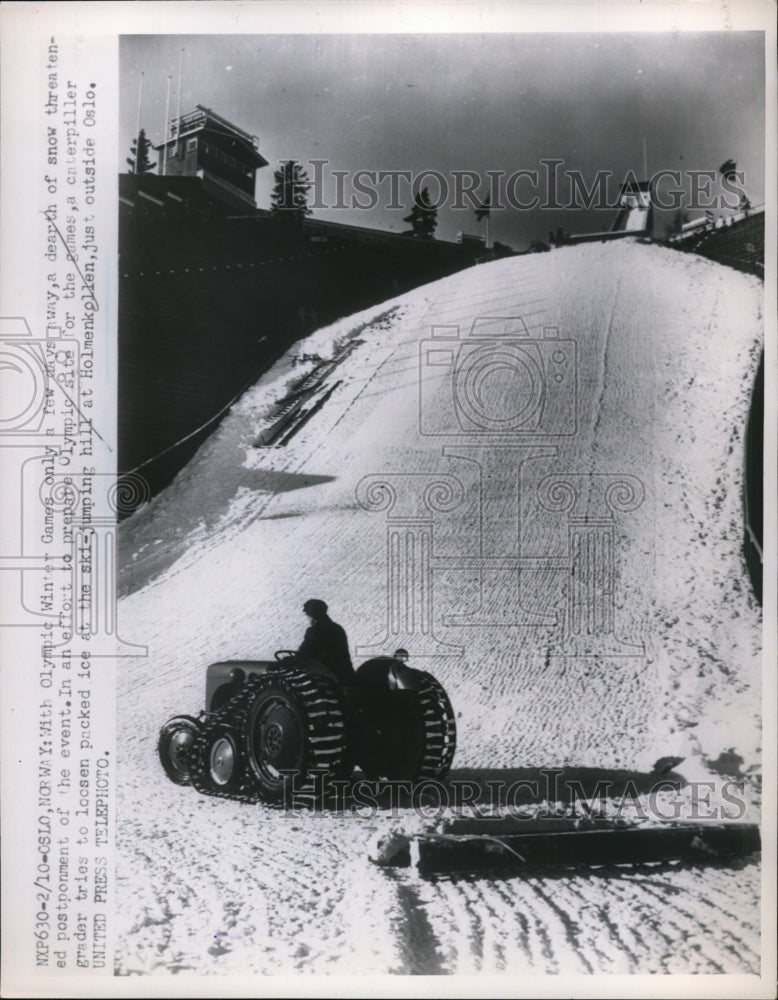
203 118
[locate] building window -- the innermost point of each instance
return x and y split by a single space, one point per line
191 144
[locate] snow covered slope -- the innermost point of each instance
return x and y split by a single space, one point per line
577 466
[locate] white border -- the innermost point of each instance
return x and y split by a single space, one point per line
24 23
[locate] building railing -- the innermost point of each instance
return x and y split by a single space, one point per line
704 225
198 118
345 233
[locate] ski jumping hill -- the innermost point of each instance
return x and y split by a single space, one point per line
530 475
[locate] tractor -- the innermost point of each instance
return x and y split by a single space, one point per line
272 725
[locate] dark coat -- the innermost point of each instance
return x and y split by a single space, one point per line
326 642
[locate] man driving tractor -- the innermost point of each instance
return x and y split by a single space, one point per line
326 642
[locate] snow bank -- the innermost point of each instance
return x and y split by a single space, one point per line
665 350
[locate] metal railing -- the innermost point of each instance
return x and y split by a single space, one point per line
201 116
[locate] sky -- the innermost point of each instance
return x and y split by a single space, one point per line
470 102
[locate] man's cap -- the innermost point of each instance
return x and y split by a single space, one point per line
315 608
399 653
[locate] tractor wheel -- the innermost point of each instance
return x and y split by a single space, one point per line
295 732
221 767
176 748
439 729
407 734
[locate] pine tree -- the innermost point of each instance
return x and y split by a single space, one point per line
289 199
424 216
139 162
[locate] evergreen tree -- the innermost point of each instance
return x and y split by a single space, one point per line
139 161
424 216
289 199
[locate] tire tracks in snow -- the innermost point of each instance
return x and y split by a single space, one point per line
416 942
602 368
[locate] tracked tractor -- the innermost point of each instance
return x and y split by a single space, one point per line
270 725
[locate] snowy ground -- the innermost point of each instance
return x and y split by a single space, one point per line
218 567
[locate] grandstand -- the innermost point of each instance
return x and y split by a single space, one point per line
737 240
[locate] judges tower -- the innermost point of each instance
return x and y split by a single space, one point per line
205 145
